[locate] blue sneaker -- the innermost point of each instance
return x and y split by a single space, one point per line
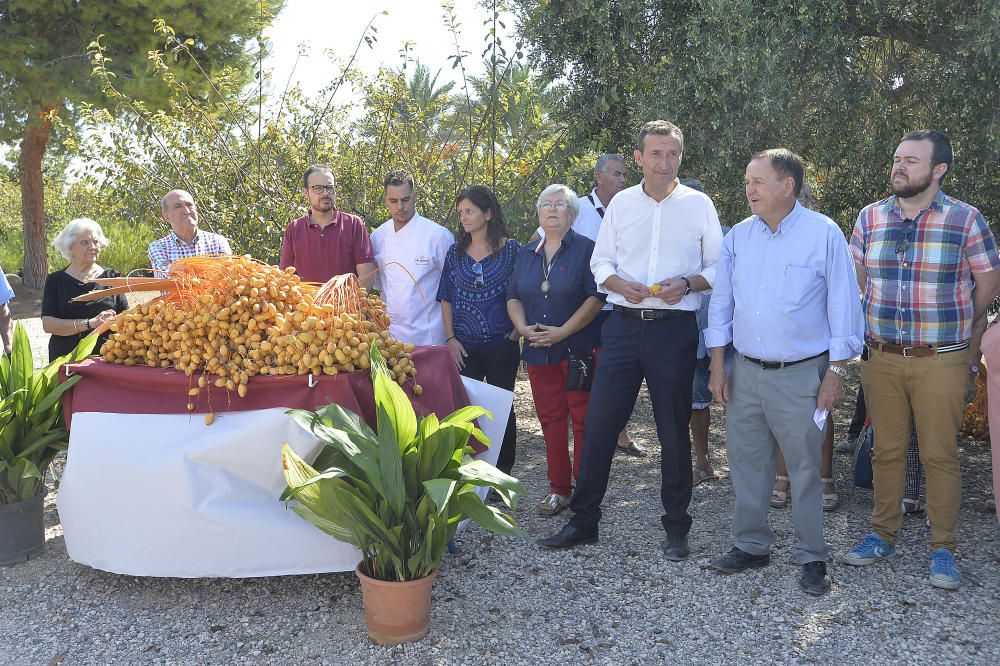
869 551
944 573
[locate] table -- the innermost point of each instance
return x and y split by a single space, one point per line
150 490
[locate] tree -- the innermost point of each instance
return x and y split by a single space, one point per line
838 82
45 72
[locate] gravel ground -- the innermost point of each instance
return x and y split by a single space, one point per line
504 600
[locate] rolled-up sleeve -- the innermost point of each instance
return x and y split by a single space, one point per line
723 303
847 326
602 261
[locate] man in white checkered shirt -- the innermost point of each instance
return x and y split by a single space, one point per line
185 239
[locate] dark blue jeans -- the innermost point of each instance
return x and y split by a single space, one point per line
663 353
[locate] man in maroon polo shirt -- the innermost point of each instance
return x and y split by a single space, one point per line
327 241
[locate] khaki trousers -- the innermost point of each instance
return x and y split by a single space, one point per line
933 389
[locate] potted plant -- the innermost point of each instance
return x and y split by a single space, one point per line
398 493
32 432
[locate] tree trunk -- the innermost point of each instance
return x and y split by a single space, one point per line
36 138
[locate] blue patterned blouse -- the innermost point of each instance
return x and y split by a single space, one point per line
477 291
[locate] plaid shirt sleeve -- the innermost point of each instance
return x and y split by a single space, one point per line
980 246
159 260
857 244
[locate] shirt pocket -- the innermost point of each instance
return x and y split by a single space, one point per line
799 284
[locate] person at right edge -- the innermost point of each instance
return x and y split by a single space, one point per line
785 295
926 263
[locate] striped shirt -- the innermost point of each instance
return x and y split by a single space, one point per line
922 295
170 248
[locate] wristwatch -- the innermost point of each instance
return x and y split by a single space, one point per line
974 369
837 370
688 283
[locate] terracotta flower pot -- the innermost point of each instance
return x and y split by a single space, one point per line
396 612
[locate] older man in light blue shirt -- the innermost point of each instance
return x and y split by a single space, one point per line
786 295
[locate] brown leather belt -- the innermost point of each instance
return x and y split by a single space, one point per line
917 352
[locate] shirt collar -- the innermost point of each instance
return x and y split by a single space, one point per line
566 240
786 222
314 223
178 241
937 204
642 190
598 204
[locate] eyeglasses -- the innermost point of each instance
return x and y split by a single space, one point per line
479 282
320 189
905 236
553 205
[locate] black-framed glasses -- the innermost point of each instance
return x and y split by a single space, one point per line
905 236
479 282
320 189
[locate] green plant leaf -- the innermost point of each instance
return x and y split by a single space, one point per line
337 417
390 462
391 396
487 517
440 492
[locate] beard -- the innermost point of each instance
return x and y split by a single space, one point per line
912 188
323 206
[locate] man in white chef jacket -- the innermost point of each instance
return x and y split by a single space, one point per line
419 245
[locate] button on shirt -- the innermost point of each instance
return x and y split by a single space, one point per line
318 253
787 295
922 296
170 248
570 284
420 246
643 240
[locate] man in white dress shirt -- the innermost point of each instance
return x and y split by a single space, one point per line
656 251
419 245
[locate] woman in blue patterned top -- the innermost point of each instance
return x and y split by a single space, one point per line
473 296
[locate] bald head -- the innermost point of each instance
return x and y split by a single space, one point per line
181 213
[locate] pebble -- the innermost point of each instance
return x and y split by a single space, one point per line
503 600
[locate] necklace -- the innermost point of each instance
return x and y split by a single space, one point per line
546 268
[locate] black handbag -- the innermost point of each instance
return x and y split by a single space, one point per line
580 374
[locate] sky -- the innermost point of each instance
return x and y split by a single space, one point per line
324 27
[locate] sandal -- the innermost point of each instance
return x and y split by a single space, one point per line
830 500
632 449
911 506
779 498
700 475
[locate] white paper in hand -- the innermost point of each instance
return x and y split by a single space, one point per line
819 417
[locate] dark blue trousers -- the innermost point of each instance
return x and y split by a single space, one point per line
662 352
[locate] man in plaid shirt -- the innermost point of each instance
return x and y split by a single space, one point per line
926 264
185 239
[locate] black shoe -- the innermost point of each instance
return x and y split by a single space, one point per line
676 549
814 579
568 537
739 560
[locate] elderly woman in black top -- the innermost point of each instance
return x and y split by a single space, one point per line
81 242
552 300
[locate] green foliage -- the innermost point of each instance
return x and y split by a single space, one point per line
32 431
129 238
839 83
398 492
243 162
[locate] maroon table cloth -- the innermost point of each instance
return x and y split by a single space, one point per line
120 389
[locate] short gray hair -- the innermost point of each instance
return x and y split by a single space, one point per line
68 236
603 160
568 194
163 199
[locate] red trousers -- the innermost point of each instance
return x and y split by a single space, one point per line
553 404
